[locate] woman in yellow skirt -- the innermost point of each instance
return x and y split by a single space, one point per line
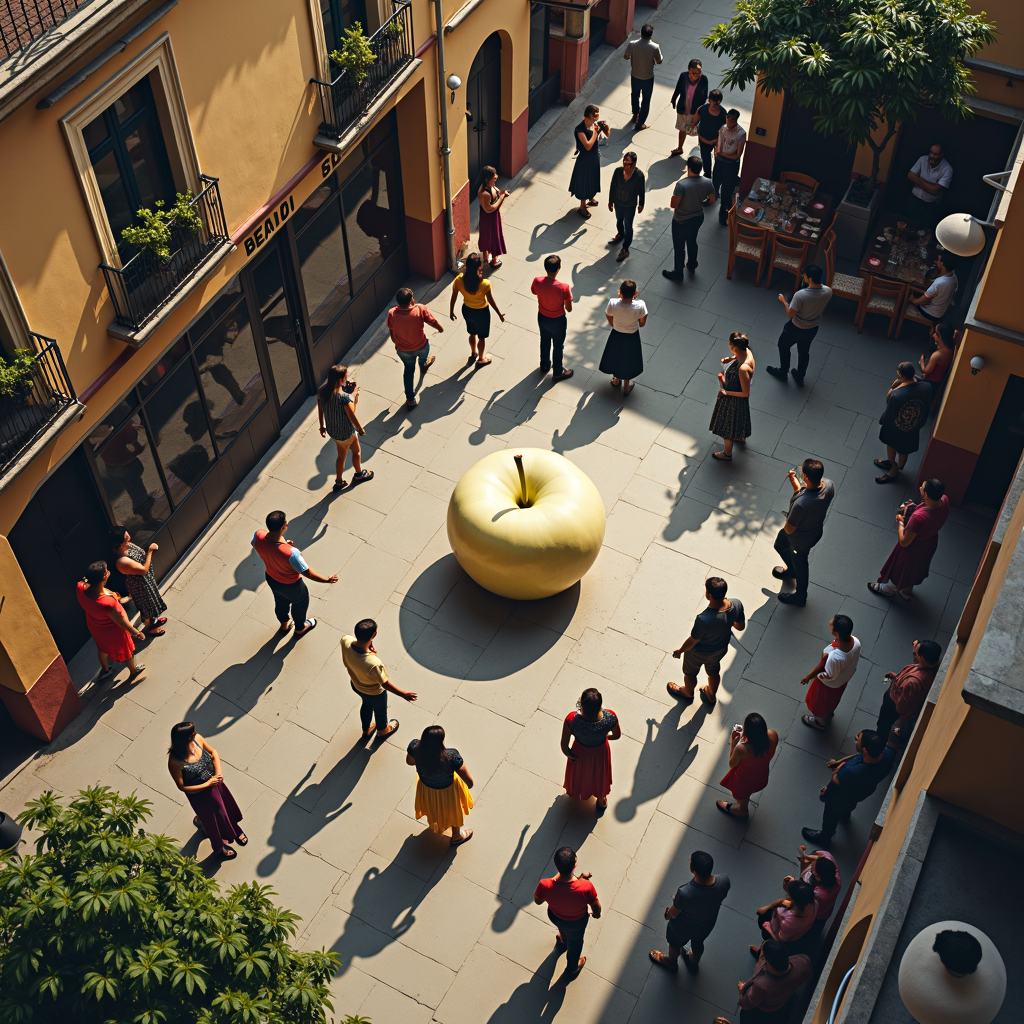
442 789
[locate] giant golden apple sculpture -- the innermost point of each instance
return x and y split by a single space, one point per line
525 526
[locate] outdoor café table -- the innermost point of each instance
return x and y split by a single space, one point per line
786 209
905 254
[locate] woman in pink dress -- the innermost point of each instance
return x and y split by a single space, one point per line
751 748
917 528
492 240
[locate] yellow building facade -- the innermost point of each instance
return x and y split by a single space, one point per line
300 196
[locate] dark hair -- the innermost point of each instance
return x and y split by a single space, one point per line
756 730
95 572
960 952
591 109
181 739
590 701
647 31
907 370
939 144
715 96
404 297
365 629
843 625
949 260
701 863
472 272
552 263
825 871
694 164
813 271
694 63
813 470
117 536
565 859
733 113
776 955
627 289
872 743
431 755
934 488
335 375
630 155
739 340
486 173
275 520
800 893
716 587
946 333
930 651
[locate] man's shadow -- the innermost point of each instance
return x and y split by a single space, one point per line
551 238
505 410
593 416
536 1001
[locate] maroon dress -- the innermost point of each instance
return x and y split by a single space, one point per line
907 567
492 239
215 807
750 776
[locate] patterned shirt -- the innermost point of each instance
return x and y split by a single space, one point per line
592 734
336 420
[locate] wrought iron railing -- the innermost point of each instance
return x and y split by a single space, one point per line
30 407
343 101
146 282
21 21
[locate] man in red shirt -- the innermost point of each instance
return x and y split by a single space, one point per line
907 692
571 900
405 322
555 300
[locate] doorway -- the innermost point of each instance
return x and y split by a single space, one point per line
826 158
483 110
1002 450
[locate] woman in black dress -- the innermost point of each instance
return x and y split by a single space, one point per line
731 417
136 566
585 182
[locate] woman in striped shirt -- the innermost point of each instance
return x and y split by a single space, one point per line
336 401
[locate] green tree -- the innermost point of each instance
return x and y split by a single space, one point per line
106 924
355 54
858 64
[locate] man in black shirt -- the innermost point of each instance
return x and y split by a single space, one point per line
710 118
626 199
803 527
906 409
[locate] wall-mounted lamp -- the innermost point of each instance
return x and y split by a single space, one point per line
453 82
977 363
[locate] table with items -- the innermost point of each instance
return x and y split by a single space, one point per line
787 208
902 251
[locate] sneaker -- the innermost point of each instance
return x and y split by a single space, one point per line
792 599
622 254
778 374
671 276
799 380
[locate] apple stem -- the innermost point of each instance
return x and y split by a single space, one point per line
523 502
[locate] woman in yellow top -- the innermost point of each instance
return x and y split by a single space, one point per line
476 294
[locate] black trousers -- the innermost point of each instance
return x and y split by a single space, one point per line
725 179
684 241
887 716
624 223
572 932
837 806
640 97
552 336
373 706
796 562
707 152
293 597
678 938
759 1016
802 338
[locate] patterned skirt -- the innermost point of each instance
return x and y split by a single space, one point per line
731 418
143 589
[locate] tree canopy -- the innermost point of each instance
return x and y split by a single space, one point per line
858 64
105 924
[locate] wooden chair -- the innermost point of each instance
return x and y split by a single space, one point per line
844 286
884 298
911 312
788 256
799 179
746 242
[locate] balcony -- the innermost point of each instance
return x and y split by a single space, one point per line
147 287
344 103
37 410
21 21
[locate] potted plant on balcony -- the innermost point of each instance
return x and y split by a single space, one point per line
153 235
355 55
16 376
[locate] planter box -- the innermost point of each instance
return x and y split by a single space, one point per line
852 223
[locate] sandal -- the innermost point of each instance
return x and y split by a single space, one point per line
362 476
876 589
812 723
242 840
139 669
339 485
725 807
285 626
464 839
495 264
391 730
309 625
486 361
886 479
661 960
883 463
226 853
721 456
705 699
585 214
155 631
162 621
628 388
676 691
616 382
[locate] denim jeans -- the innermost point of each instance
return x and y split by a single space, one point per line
293 596
641 90
409 361
624 223
374 706
552 341
572 932
801 337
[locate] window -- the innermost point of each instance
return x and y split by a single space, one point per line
321 251
372 215
338 15
540 19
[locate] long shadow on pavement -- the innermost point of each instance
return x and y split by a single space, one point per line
534 1002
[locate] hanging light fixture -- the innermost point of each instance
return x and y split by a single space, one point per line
961 234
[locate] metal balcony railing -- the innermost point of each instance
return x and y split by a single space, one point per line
27 413
21 21
145 283
343 101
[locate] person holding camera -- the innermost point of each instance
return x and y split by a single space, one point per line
336 401
751 748
585 182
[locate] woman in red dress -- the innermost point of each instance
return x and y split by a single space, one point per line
751 748
588 769
918 540
108 624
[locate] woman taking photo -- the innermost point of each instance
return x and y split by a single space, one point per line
623 356
935 365
195 767
588 769
585 182
492 240
442 785
751 748
108 624
731 417
136 566
336 401
475 290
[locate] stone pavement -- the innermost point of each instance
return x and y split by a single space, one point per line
426 934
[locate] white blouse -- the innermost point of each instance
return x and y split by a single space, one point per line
626 316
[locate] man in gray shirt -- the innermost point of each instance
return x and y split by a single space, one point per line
804 312
690 196
642 54
803 527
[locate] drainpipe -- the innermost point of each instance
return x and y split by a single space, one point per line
446 152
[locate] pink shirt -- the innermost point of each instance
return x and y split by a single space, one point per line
691 88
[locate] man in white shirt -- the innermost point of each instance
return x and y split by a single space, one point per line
837 667
931 176
728 151
939 295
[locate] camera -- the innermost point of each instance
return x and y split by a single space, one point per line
349 386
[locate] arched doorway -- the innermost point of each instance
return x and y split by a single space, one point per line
483 110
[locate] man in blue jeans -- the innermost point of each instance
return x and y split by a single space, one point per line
405 322
370 680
